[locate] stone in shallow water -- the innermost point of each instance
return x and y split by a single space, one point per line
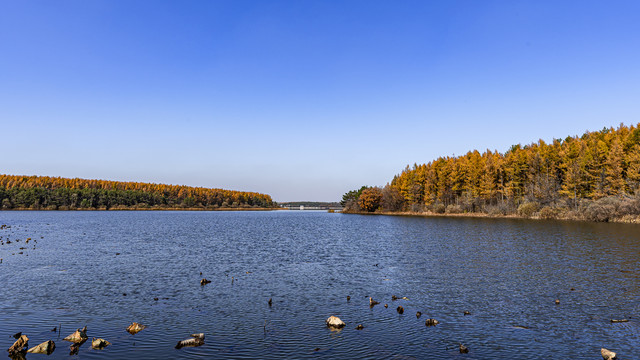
335 322
135 328
46 347
431 322
79 336
607 354
196 340
19 345
99 344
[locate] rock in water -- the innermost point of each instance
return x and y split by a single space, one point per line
335 322
46 347
198 336
74 348
463 349
204 281
372 302
19 346
359 327
607 354
99 343
400 309
431 322
79 336
190 342
135 328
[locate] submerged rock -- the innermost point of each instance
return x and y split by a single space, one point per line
335 322
466 313
359 327
79 336
418 314
135 328
46 347
607 354
20 345
74 348
99 344
18 356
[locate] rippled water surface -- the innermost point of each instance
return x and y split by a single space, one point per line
506 273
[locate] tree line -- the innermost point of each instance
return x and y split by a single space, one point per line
595 176
56 193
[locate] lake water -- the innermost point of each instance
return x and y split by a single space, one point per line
506 273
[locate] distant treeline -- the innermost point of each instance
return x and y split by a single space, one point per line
310 203
55 193
595 176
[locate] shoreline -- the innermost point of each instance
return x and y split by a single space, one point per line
624 220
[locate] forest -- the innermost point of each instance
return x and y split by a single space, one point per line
594 177
56 193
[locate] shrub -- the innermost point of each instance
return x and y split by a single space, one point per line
438 208
454 209
629 206
527 209
548 212
602 210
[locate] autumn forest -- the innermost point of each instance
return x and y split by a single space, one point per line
55 193
595 177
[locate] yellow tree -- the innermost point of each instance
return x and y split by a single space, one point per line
614 166
370 199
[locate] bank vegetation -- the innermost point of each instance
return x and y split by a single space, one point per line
593 177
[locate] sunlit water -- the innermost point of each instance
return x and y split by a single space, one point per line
506 273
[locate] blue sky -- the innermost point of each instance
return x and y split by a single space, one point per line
303 100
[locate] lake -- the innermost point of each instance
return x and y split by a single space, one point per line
506 273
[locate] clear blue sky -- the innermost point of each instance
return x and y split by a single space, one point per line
303 100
